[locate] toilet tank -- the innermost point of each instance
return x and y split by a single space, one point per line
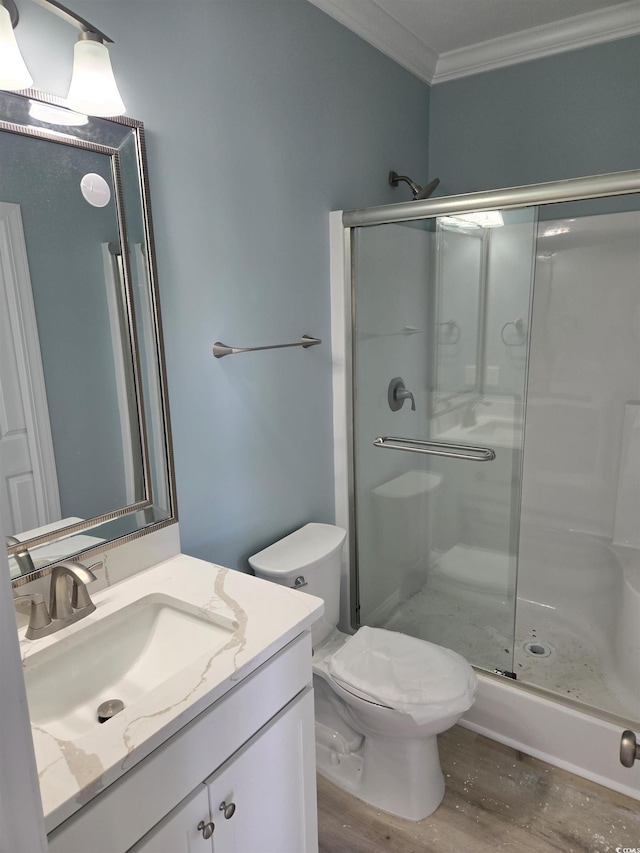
308 559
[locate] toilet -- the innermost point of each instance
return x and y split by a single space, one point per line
381 698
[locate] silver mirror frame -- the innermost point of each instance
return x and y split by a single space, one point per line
145 521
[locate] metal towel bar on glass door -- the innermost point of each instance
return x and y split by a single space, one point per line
437 448
220 349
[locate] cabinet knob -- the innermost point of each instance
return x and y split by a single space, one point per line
206 828
229 809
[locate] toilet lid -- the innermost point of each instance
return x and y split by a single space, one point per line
404 673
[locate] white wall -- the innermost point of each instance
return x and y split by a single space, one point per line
584 367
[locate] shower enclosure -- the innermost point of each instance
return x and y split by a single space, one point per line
493 392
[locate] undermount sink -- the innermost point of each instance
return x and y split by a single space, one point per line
123 656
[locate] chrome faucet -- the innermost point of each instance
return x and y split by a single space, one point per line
470 412
65 606
22 558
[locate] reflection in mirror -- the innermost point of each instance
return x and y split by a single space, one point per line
460 299
484 263
83 426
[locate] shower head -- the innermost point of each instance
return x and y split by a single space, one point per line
419 193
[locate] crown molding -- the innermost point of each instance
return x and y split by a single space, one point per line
572 33
381 30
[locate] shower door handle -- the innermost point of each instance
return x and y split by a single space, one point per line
437 448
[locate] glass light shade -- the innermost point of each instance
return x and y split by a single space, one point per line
93 88
14 74
50 114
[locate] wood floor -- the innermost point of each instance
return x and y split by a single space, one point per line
496 799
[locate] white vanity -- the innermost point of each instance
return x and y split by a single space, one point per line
214 748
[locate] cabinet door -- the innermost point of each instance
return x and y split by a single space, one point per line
269 788
178 832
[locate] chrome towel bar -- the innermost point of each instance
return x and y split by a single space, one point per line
437 448
220 349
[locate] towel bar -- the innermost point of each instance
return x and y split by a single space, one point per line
220 349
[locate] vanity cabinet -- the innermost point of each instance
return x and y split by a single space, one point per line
179 832
254 802
254 748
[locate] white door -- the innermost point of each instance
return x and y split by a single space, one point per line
29 494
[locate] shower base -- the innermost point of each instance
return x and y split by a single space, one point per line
569 660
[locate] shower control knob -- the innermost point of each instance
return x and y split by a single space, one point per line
629 748
397 394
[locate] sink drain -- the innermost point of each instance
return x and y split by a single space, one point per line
109 709
538 650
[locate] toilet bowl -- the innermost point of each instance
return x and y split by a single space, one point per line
381 698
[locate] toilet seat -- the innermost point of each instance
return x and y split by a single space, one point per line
403 673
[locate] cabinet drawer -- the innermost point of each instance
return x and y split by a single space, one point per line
126 810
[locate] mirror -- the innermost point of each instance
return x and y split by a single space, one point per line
84 438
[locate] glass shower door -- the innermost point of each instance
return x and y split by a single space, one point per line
440 340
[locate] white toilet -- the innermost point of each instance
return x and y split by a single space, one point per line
380 697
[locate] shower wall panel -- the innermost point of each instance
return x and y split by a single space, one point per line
584 368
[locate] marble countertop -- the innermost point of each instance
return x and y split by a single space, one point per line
263 617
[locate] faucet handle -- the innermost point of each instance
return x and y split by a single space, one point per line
39 618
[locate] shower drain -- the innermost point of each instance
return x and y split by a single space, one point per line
538 650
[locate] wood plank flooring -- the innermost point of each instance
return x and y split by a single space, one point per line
496 799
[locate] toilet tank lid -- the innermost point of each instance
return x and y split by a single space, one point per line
300 551
405 673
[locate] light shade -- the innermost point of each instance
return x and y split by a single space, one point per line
50 114
14 74
93 88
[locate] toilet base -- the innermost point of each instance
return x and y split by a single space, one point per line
400 776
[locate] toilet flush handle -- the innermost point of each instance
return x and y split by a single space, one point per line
299 582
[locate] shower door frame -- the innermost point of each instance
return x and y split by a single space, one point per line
343 310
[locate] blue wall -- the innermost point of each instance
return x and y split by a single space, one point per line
564 116
261 117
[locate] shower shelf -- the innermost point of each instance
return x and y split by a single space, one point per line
220 349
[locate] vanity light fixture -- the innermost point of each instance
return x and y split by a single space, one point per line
50 114
14 73
93 90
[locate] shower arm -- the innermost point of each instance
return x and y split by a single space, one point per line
394 177
419 193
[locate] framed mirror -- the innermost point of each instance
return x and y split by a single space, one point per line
85 459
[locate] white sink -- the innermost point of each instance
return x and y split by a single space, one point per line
123 656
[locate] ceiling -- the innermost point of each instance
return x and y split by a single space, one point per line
439 40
